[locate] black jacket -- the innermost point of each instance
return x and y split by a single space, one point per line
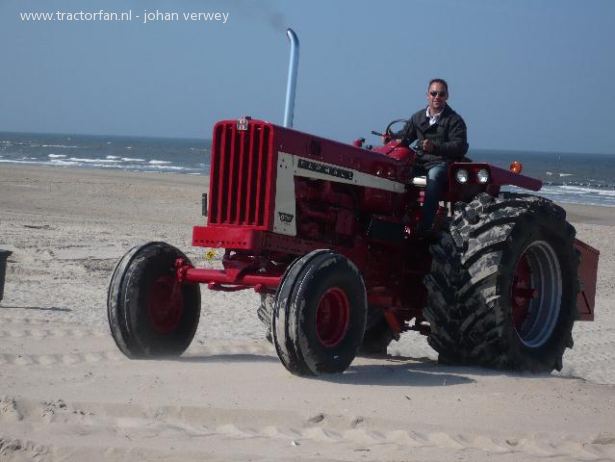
449 135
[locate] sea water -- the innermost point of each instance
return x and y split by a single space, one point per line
581 178
107 152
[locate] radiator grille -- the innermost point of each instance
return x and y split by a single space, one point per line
240 168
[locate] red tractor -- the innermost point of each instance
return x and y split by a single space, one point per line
326 233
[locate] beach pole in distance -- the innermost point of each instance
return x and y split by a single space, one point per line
4 255
291 85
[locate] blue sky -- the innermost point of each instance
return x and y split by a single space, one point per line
525 74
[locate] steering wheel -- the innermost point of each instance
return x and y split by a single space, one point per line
416 144
388 131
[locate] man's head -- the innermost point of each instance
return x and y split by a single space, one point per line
437 94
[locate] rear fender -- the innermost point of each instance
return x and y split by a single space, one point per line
588 274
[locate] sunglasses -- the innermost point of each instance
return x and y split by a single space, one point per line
441 94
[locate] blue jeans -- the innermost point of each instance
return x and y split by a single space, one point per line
437 180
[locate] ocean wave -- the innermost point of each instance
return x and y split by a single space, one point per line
129 159
56 156
579 195
112 157
62 146
581 190
64 163
103 164
159 162
12 161
119 166
93 161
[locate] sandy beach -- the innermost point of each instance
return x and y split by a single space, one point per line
68 394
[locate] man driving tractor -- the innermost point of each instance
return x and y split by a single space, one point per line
441 137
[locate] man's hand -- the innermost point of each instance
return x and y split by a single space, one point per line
427 145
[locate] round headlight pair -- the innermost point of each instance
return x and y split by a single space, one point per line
462 176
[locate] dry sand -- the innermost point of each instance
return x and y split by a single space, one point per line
66 393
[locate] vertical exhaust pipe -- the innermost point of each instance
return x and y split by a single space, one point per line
291 85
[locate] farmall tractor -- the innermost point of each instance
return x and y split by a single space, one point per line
326 233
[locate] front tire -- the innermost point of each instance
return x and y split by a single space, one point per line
504 284
151 314
319 314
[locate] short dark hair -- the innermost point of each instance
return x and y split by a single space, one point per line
440 81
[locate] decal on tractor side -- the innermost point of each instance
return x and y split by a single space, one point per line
290 165
326 169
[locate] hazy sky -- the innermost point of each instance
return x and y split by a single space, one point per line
525 74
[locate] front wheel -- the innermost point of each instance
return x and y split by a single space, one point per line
150 313
319 314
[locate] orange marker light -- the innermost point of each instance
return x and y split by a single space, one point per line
516 166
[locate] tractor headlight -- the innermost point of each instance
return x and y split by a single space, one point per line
462 176
483 176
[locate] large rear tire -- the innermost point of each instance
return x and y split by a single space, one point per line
319 314
504 284
150 313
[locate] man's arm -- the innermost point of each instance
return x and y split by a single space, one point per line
457 145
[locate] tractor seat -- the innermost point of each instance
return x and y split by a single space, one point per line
419 181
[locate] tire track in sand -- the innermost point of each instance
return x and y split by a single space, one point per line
212 350
139 424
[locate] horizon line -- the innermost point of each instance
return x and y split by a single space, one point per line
209 140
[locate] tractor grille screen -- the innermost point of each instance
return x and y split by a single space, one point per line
240 162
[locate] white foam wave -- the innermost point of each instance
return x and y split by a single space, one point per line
63 146
112 157
582 190
100 163
573 194
159 162
166 167
11 161
64 163
93 161
129 159
55 156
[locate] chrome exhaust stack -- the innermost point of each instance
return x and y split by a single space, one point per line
291 85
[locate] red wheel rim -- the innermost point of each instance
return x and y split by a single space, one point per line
522 292
332 317
165 304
